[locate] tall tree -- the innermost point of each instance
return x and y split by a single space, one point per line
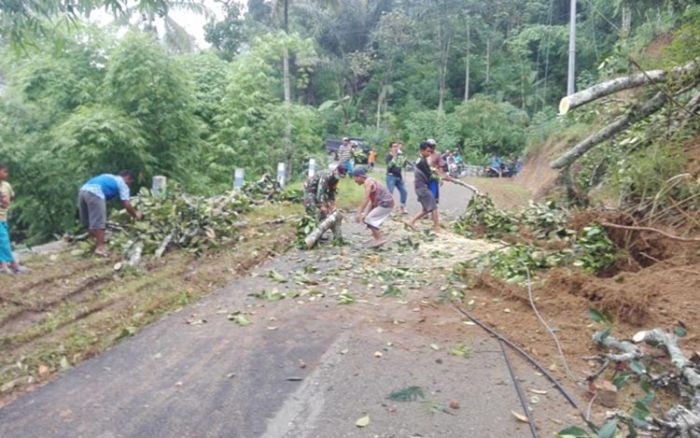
226 35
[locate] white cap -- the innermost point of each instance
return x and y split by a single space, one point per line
431 141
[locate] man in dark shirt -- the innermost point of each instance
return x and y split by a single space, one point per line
395 162
422 185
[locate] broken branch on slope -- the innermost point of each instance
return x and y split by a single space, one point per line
650 107
623 83
680 421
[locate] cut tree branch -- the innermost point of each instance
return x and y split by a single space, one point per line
654 230
618 84
680 421
325 225
650 107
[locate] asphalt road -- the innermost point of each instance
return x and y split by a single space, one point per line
305 367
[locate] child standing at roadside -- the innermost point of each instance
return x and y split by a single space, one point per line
372 158
8 264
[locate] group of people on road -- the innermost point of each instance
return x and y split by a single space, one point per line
378 202
500 167
319 196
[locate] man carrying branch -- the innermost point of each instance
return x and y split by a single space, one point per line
93 198
319 196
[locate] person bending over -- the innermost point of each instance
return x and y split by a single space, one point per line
319 195
377 200
93 197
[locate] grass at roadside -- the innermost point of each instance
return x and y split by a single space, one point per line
72 307
506 193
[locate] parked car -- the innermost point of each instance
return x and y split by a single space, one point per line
361 148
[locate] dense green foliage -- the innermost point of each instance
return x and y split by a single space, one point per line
537 229
480 75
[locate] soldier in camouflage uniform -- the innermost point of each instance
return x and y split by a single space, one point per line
319 196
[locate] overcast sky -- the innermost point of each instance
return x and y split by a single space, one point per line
193 23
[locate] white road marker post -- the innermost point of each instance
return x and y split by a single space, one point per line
159 186
238 177
281 174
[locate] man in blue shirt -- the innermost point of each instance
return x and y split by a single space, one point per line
93 198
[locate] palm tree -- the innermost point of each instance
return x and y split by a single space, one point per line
152 15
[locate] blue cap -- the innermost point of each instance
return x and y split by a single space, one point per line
359 171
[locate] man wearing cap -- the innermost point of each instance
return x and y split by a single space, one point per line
93 197
377 200
345 154
319 196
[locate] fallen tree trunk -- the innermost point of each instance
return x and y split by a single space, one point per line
624 83
324 226
650 107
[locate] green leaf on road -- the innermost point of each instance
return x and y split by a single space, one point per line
239 318
276 276
392 291
362 421
271 295
410 393
345 299
462 350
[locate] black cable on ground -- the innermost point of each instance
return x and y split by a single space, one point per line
523 402
529 358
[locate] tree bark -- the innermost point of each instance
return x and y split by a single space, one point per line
467 63
324 226
650 107
488 59
445 41
618 84
626 20
287 95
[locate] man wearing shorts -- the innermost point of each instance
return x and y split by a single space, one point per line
421 183
93 198
379 201
437 173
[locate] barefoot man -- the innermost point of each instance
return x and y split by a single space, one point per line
380 203
422 185
93 197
